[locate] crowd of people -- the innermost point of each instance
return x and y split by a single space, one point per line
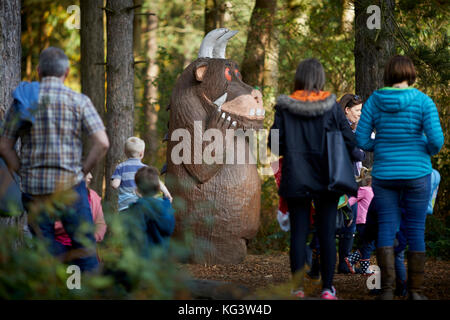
50 118
398 123
401 126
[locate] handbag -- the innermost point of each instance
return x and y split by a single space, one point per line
344 213
340 223
340 169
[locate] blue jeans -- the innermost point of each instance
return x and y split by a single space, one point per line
73 217
400 270
413 195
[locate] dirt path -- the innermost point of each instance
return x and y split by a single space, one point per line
268 276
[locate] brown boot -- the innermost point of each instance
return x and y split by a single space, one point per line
416 266
386 262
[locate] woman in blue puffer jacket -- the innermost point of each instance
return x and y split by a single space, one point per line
408 132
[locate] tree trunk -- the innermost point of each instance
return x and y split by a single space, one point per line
30 43
93 70
348 15
120 88
214 14
259 37
270 80
189 34
137 29
10 56
150 88
373 48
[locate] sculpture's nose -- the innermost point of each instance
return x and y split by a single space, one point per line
256 94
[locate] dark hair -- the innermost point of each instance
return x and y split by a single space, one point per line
53 62
147 180
309 76
399 69
349 100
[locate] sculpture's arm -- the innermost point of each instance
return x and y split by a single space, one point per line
205 170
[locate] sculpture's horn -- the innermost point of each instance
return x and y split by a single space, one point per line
208 43
221 44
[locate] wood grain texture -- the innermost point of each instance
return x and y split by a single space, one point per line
10 51
373 49
258 41
93 70
10 55
120 87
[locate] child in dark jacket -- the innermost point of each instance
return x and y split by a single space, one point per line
150 220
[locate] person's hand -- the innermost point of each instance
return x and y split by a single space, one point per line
168 196
350 223
98 237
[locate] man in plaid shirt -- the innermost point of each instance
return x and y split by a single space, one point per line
50 164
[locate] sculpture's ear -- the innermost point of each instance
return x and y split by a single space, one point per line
200 70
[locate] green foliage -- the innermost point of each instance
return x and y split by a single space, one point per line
30 272
437 237
44 24
314 29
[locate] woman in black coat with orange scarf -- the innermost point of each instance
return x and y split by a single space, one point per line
303 118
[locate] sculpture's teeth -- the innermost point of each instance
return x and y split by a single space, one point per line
223 115
234 123
221 100
252 112
229 118
264 112
258 112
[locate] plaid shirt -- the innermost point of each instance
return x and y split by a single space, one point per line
51 150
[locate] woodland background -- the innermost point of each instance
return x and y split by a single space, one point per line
128 54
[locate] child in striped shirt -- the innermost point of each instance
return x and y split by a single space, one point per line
123 176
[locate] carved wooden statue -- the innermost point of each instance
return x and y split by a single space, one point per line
217 204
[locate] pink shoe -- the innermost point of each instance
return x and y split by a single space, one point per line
298 293
328 294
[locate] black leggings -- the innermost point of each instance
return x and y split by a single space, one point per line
325 222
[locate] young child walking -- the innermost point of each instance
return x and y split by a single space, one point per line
123 176
362 203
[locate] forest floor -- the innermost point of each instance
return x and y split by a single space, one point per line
268 277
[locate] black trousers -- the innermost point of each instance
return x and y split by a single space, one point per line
325 222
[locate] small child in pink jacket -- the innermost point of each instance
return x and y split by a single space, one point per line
97 214
364 197
363 200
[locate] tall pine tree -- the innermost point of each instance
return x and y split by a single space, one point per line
120 85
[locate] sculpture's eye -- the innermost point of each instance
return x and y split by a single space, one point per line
228 74
238 74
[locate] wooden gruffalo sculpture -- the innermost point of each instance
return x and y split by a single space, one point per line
217 204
